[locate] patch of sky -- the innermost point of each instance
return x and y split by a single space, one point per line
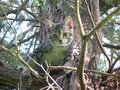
116 27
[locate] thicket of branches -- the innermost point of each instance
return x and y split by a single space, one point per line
20 24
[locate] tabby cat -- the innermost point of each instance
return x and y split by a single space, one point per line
55 49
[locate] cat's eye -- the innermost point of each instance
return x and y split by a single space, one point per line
64 34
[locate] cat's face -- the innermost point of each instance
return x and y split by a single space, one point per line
60 34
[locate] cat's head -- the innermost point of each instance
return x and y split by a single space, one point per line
60 34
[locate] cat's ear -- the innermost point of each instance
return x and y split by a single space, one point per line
49 24
69 22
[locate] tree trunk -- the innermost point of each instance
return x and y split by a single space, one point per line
96 50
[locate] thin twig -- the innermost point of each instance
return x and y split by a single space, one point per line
111 46
34 16
86 70
12 30
8 5
93 25
22 61
102 23
20 9
69 4
82 33
17 19
44 71
112 66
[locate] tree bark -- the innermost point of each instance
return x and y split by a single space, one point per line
12 79
96 50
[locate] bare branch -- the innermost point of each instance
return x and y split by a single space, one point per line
69 4
17 19
80 68
102 23
45 72
22 61
9 12
82 33
93 25
112 66
8 5
34 16
111 46
12 30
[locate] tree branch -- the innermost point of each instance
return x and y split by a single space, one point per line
11 78
23 62
80 68
17 19
103 22
9 12
112 66
34 16
82 33
111 46
96 35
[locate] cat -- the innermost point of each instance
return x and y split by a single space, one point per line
55 48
